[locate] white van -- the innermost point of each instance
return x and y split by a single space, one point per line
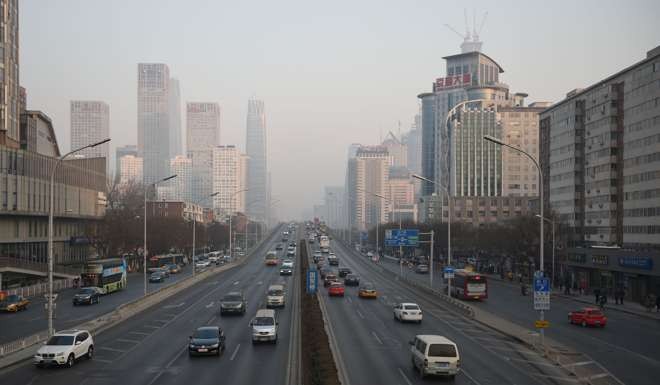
264 326
275 296
435 355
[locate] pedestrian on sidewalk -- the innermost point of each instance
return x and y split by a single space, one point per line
597 295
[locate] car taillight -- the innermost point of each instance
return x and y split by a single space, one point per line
426 362
458 363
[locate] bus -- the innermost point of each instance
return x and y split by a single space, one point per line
324 243
106 274
158 261
469 285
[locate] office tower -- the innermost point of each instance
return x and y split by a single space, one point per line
368 174
334 205
257 151
176 147
229 178
398 151
10 102
90 123
203 134
121 151
130 169
181 185
153 120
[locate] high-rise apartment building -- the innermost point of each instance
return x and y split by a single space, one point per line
130 169
182 167
121 151
368 174
203 134
229 178
176 147
398 151
9 102
600 151
154 120
90 123
257 150
401 195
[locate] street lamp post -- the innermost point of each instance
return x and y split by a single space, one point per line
50 229
195 226
552 223
231 209
538 167
144 250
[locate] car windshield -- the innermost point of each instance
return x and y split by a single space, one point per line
205 333
60 340
442 350
276 292
232 298
155 275
87 291
411 307
368 286
264 321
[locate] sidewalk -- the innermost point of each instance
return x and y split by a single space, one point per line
627 307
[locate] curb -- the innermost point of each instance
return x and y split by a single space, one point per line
125 311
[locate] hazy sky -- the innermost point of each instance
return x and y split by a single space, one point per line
330 72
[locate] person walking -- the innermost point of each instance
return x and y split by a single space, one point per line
597 295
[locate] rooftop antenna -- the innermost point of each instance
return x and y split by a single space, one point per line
471 42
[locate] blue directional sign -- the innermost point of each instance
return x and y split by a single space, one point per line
541 294
448 272
403 237
448 269
312 281
364 236
541 284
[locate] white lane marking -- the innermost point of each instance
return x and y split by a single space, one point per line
236 283
233 355
376 337
127 340
112 349
168 366
96 359
140 333
174 306
211 320
349 299
360 314
405 378
260 283
596 376
35 319
210 304
580 363
564 379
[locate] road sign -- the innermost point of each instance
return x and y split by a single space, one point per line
312 281
541 324
448 272
403 237
541 294
364 236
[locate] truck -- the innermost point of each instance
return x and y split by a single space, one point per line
324 243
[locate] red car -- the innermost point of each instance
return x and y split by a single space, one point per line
588 317
336 288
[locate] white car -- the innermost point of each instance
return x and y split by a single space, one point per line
202 264
435 355
64 348
408 312
287 263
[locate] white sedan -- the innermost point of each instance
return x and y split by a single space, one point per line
408 312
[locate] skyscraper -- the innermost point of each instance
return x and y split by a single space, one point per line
182 167
203 134
129 170
90 123
229 177
9 103
122 151
176 148
153 120
257 150
368 174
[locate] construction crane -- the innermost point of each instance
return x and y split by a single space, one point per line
471 40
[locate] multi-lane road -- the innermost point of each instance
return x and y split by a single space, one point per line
151 347
628 347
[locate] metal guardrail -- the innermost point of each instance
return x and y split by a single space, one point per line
41 288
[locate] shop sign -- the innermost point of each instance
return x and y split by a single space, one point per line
644 263
600 260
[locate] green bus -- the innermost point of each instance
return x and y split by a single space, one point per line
106 274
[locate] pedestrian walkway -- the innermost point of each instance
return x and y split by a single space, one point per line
629 307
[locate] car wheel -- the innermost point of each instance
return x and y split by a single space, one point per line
90 352
419 321
394 316
71 360
584 324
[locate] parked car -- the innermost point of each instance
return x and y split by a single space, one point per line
157 277
351 280
367 290
87 295
64 348
408 312
343 271
14 303
233 302
587 317
206 340
336 289
422 269
436 355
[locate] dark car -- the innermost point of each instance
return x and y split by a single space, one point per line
233 302
279 246
87 295
323 271
333 260
157 277
352 280
343 271
207 340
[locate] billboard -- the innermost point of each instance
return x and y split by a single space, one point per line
455 81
